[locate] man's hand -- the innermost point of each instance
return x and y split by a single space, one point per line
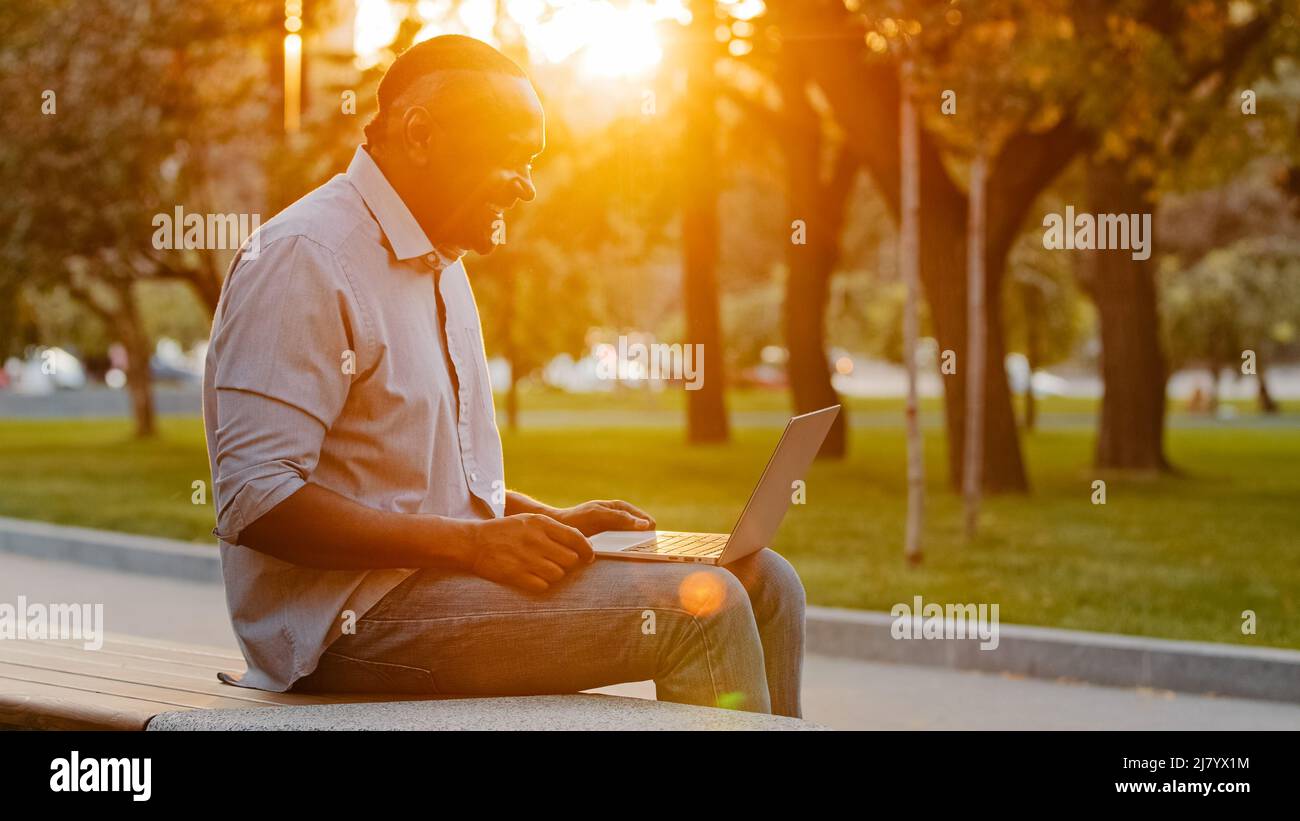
529 551
611 514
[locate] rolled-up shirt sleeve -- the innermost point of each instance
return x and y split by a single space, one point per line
289 323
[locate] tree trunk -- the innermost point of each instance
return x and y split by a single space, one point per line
943 269
977 338
1131 431
1267 404
138 384
819 207
122 317
908 263
807 290
706 410
1032 299
139 381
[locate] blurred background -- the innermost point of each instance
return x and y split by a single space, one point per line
730 174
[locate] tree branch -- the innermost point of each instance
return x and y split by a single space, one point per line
88 299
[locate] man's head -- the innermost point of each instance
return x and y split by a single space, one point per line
456 132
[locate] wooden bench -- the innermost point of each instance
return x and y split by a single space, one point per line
128 683
59 685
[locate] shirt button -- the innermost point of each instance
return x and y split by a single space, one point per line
473 477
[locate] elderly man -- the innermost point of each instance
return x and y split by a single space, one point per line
368 541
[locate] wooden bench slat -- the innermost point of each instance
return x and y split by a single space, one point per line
158 649
56 656
47 707
165 686
159 688
58 684
186 650
208 665
87 690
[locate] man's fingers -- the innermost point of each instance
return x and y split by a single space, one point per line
571 538
633 522
547 569
611 519
633 510
557 553
530 583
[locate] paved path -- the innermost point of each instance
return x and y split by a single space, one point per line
838 693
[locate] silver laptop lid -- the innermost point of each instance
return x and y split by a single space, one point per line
770 500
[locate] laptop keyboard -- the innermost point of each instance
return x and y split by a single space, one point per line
684 544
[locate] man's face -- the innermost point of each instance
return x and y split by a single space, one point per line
479 162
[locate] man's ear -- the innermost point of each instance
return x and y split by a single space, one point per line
417 135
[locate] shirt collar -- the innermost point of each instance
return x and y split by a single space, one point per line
404 234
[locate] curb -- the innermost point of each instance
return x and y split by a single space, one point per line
1271 674
144 555
1267 673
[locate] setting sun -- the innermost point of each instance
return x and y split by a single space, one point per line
613 41
607 39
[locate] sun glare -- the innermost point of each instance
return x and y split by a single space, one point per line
618 41
607 39
374 27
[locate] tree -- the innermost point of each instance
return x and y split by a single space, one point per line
817 204
772 91
861 84
1229 192
1170 74
1068 59
706 410
1223 247
981 128
1131 431
136 99
1235 307
908 253
976 339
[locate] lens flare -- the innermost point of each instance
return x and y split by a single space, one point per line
702 593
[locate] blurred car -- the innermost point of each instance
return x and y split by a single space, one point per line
1044 383
44 371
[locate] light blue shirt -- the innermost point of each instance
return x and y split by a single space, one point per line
328 363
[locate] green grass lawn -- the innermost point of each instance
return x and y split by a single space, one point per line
672 401
1176 557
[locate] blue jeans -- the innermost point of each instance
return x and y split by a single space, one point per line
716 636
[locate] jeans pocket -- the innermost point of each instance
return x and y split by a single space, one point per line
337 673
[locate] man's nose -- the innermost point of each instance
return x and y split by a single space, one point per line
524 188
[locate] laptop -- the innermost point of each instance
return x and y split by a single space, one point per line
759 520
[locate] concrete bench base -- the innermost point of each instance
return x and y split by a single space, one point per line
568 712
